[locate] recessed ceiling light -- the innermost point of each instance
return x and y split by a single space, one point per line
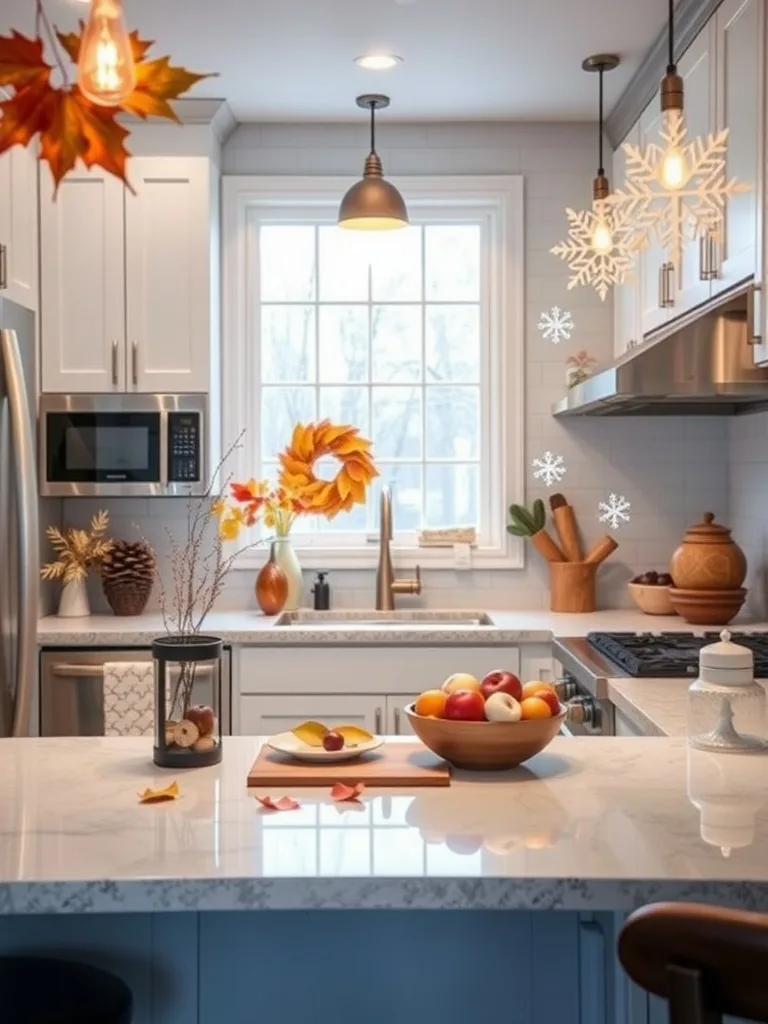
378 61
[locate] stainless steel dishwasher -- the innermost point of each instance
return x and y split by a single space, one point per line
72 688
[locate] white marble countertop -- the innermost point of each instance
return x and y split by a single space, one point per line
247 627
589 824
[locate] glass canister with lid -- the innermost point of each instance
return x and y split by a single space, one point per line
726 707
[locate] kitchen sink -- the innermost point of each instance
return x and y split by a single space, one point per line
371 619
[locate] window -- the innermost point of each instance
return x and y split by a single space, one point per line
406 335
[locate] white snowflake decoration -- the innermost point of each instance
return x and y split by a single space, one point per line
615 511
549 469
556 325
696 208
588 265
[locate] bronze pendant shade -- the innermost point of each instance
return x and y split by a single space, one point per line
373 204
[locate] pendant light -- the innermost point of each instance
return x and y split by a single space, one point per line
106 72
676 188
599 250
373 204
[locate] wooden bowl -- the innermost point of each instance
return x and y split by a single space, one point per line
484 746
651 600
707 607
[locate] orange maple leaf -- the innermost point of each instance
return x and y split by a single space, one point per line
21 115
104 138
21 61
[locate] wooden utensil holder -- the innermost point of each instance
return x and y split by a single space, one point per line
572 586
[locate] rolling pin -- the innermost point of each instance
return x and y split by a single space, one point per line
567 530
604 547
546 546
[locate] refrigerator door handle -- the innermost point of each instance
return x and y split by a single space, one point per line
23 457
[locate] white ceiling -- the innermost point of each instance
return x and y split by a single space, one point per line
463 59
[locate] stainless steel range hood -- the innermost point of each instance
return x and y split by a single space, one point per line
701 366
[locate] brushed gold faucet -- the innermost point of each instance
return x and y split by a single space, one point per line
386 583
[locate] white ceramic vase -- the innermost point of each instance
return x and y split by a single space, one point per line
73 603
285 556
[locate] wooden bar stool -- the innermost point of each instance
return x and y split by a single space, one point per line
34 990
705 961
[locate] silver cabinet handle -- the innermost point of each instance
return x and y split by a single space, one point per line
3 266
135 363
93 670
396 716
661 286
377 721
703 257
755 315
714 259
114 365
667 296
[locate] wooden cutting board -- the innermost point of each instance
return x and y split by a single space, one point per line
394 764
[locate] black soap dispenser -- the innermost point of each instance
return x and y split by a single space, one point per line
322 592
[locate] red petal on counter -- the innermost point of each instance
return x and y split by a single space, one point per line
341 791
285 803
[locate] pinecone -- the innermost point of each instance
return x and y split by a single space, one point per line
127 575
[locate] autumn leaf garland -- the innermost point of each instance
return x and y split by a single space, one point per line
69 125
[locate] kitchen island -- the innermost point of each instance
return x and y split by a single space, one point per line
535 867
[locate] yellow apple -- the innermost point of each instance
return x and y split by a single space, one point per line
461 681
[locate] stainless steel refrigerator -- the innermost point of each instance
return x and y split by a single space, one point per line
19 541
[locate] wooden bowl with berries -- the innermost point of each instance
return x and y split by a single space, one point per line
650 592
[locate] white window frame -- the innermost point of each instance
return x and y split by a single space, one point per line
502 380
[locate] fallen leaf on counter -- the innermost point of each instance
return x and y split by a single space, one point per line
310 733
285 803
353 735
158 796
341 791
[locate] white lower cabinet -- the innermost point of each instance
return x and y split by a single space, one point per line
370 686
264 716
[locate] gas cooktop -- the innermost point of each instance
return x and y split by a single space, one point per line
671 654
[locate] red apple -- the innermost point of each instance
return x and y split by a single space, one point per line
203 718
465 706
333 741
501 681
551 698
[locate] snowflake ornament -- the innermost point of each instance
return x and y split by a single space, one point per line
614 511
549 469
601 247
678 189
556 325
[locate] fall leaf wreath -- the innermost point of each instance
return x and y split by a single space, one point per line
71 127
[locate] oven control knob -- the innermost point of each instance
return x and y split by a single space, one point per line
566 689
583 711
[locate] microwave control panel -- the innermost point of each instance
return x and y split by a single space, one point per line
184 462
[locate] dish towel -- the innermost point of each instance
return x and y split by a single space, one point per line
129 698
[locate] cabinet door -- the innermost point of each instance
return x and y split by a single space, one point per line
18 225
397 720
696 68
739 26
264 716
168 229
82 284
653 258
627 330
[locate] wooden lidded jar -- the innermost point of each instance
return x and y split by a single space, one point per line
709 558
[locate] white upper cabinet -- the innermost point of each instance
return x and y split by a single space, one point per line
652 277
82 283
168 243
18 226
626 298
128 287
740 25
691 282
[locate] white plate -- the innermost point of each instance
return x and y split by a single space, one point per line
287 743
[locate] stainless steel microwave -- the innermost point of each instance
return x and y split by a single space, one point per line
123 445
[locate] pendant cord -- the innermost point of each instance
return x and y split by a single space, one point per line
671 38
600 169
373 127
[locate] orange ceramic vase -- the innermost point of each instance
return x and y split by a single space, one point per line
271 586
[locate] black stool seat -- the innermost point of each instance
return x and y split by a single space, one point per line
34 990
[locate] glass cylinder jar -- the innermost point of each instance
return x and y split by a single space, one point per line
187 701
726 707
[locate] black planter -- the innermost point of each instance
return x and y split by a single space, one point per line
187 701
